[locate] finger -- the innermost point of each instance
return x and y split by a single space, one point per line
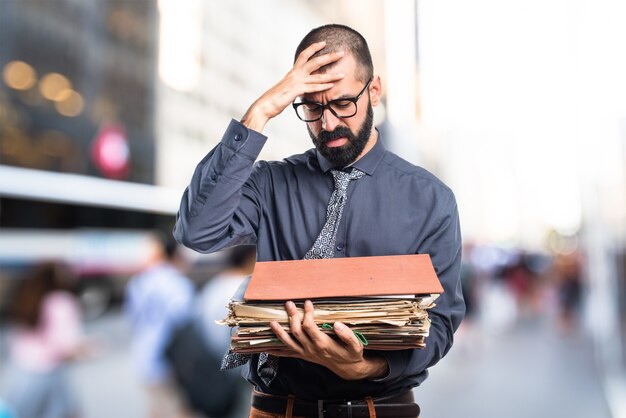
292 312
309 325
308 52
324 78
347 336
285 338
295 325
316 63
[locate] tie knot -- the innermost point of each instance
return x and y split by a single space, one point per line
342 178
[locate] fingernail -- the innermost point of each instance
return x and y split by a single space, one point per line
339 326
290 305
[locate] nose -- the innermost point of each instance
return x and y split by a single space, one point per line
329 120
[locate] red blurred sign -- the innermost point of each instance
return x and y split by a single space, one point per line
110 152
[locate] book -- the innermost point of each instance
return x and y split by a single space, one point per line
351 276
383 299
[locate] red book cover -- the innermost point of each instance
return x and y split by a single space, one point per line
343 277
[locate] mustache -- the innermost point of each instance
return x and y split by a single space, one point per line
326 136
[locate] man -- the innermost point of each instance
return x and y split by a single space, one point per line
347 197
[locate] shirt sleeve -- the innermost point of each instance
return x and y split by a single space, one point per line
444 247
221 206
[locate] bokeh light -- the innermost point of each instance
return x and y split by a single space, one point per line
19 75
72 103
54 86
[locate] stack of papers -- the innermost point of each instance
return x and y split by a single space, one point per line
380 323
384 300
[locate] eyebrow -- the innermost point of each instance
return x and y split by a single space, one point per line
342 97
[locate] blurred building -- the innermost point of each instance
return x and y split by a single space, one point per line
77 137
77 96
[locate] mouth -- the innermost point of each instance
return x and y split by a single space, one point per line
337 142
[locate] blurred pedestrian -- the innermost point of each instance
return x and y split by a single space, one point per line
569 287
45 334
218 291
212 304
521 282
159 299
196 348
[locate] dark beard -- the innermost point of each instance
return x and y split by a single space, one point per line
348 153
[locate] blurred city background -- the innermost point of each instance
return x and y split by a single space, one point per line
107 106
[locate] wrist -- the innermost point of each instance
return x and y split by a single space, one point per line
254 118
375 367
371 367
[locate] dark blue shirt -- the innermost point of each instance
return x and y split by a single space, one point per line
396 208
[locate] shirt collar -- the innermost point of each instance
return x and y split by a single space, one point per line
366 163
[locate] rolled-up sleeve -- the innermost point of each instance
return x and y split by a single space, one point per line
220 207
444 247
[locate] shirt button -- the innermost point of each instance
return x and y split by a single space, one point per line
194 213
214 177
238 137
339 247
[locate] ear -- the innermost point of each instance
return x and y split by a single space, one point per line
376 90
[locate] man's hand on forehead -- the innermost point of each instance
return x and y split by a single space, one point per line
329 66
311 73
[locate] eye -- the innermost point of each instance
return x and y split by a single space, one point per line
342 104
311 107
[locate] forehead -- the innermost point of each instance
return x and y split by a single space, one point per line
346 87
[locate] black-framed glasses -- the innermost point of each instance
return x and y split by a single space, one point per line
309 111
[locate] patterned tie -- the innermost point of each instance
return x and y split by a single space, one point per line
323 247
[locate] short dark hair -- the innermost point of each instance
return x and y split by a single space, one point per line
167 243
341 37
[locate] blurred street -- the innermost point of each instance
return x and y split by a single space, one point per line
527 371
107 385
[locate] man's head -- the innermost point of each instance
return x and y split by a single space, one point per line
341 38
343 140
